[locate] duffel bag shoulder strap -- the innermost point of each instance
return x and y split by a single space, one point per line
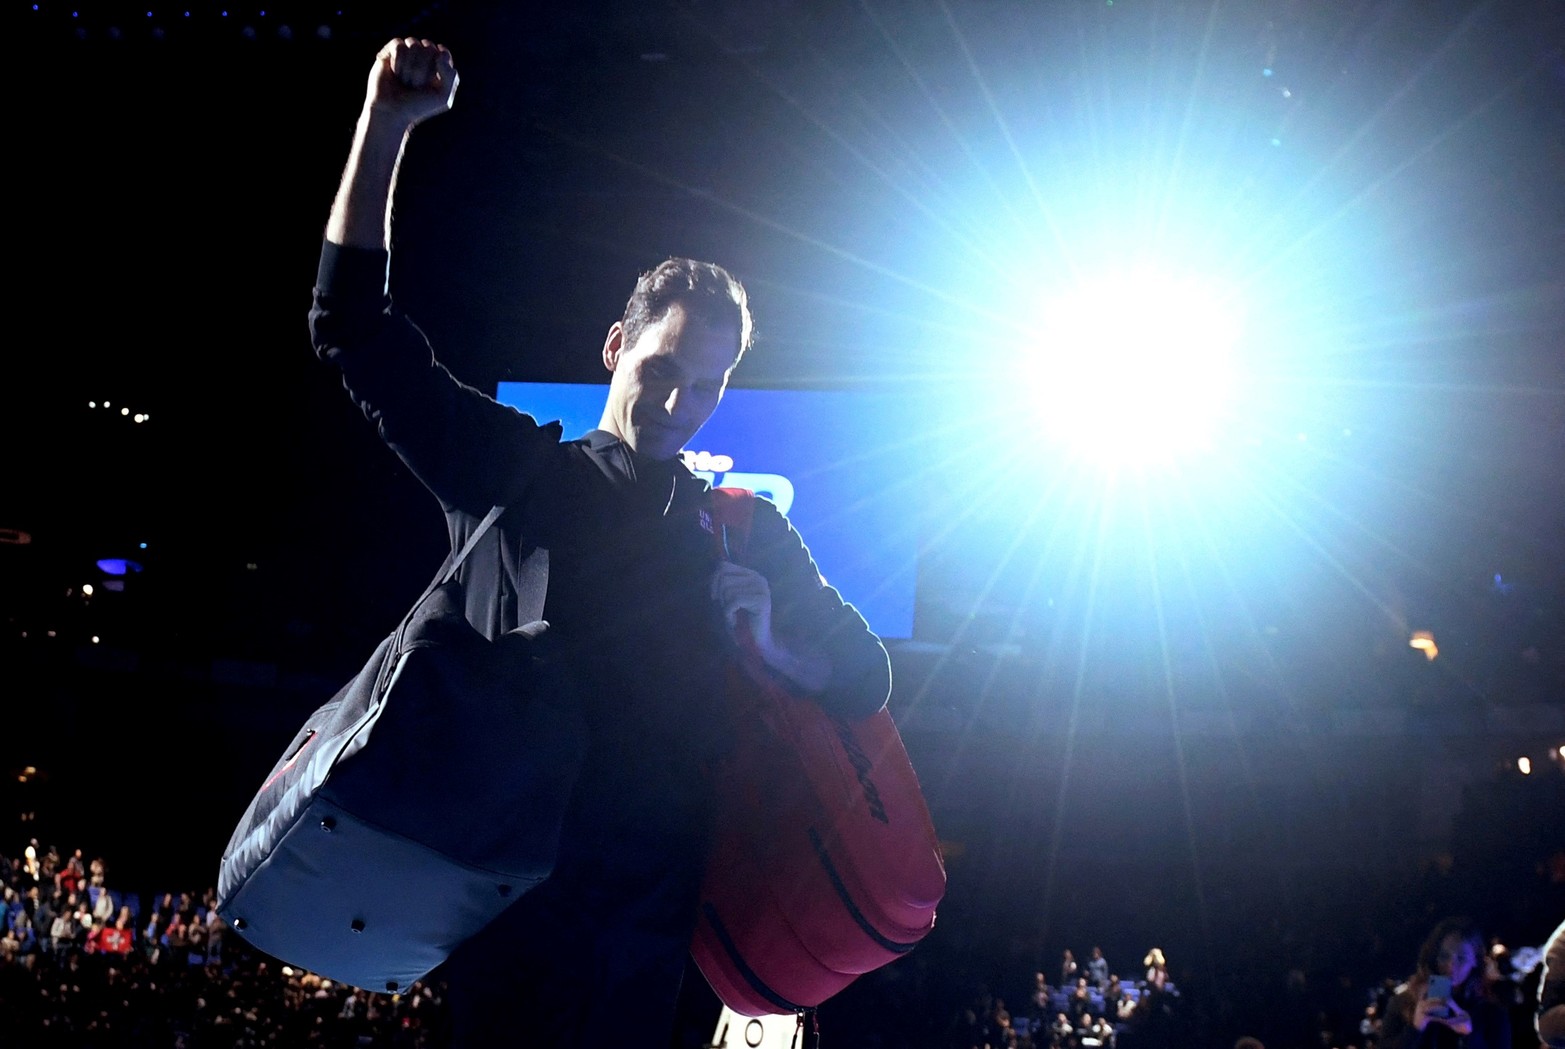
456 557
453 562
733 511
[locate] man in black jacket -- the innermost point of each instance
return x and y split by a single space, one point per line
639 605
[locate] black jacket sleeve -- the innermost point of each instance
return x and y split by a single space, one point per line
805 610
468 449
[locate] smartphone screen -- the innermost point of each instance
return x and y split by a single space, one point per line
1439 987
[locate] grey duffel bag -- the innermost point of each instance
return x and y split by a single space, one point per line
412 808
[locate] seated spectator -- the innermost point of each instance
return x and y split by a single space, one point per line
1098 969
1468 1018
1000 1032
49 867
73 875
45 911
104 907
66 931
195 935
93 936
216 928
1157 969
1038 1000
119 938
22 925
82 927
1062 1032
165 909
31 900
1081 997
10 946
97 872
154 933
177 938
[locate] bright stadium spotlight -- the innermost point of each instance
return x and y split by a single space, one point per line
1135 369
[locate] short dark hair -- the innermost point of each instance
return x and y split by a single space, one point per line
708 292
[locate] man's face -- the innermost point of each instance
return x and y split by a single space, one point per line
666 386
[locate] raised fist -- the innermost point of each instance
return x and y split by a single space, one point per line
412 80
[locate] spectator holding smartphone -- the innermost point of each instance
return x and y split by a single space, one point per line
1447 1002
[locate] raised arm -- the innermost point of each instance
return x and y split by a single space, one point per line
470 451
411 81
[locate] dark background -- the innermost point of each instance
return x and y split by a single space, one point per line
1219 743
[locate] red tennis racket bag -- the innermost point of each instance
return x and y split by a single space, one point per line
824 864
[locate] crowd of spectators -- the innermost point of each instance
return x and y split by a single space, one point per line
84 965
1086 1005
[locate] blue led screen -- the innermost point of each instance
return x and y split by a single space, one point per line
828 458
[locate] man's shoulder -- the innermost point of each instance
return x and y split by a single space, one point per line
768 512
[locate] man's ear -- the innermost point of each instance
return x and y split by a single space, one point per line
613 344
